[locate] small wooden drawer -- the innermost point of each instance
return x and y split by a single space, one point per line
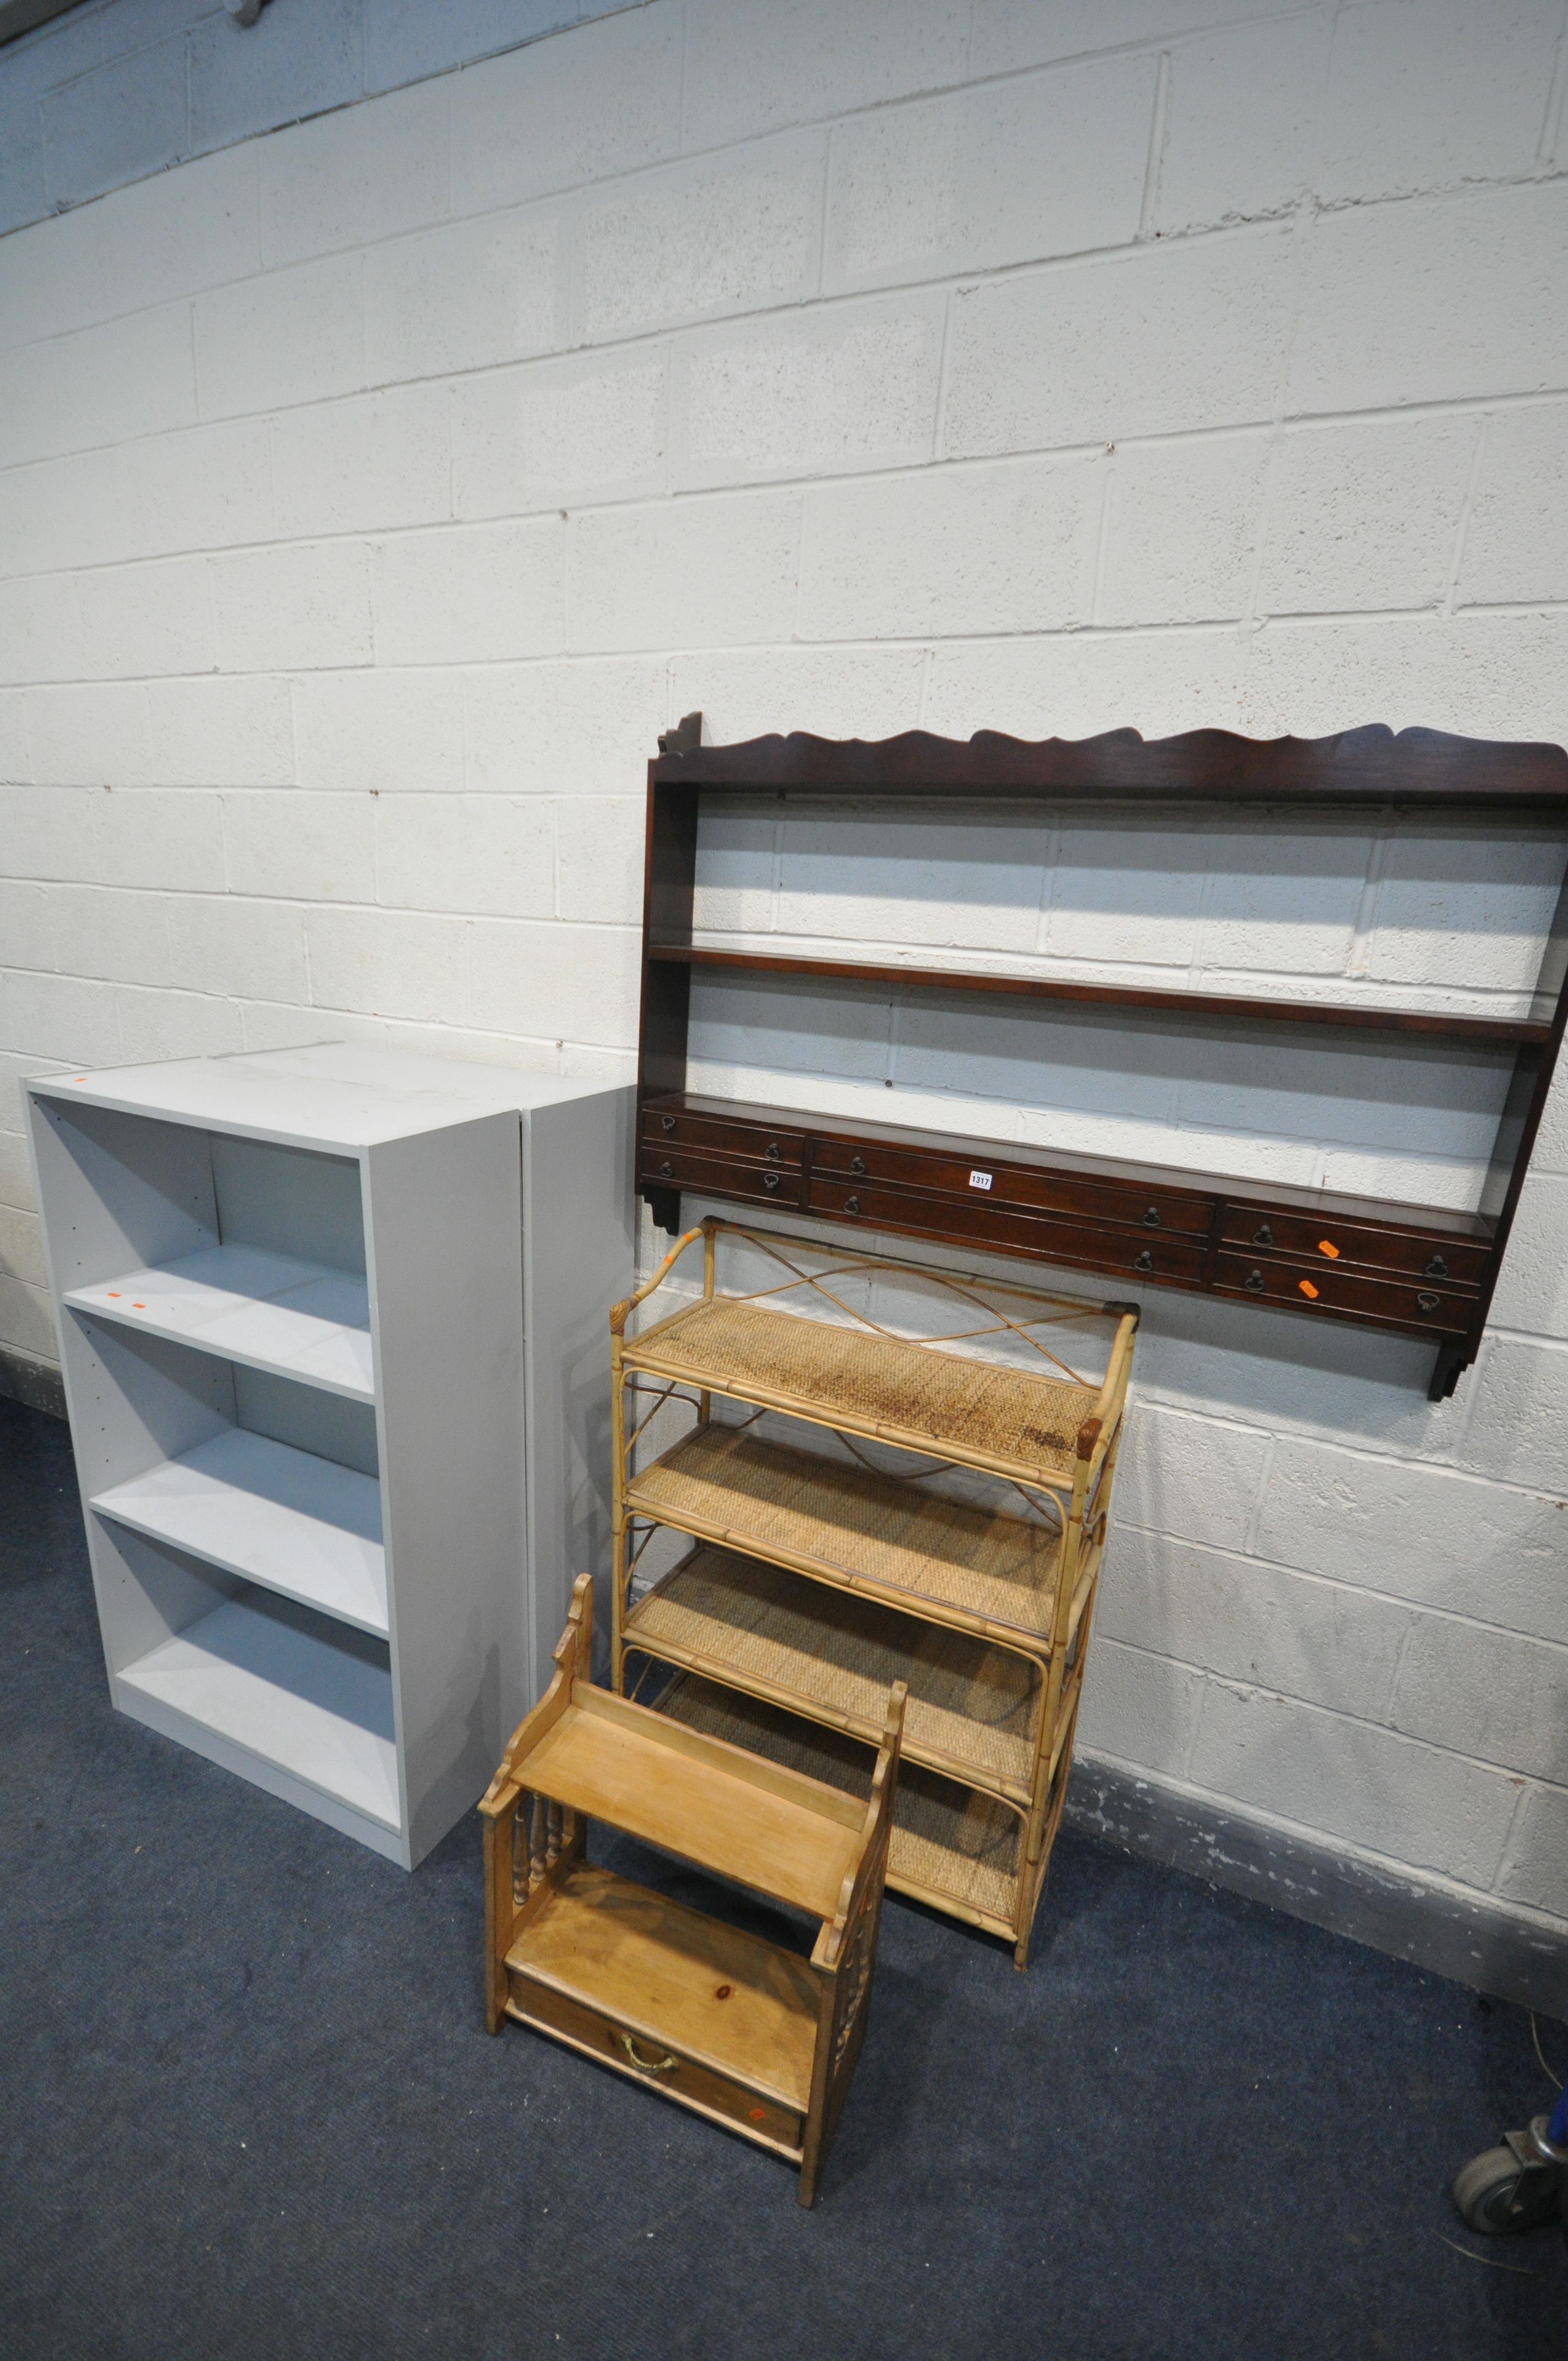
991 1181
667 1127
649 2061
1441 1261
1080 1244
1346 1293
721 1176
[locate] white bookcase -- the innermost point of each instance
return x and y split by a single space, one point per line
333 1330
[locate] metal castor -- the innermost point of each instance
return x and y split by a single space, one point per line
1517 2186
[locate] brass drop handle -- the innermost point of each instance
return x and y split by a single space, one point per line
646 2065
1427 1303
1254 1282
858 1167
1151 1219
1262 1237
772 1150
851 1204
666 1169
668 1121
1145 1261
1436 1269
770 1179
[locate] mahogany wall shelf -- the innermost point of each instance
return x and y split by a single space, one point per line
1406 1269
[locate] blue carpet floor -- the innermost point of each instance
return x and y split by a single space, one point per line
248 2106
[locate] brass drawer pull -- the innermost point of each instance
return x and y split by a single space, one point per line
666 1169
772 1150
1427 1303
668 1121
1253 1282
646 2065
770 1179
851 1204
1263 1237
858 1167
1436 1269
1151 1219
1145 1261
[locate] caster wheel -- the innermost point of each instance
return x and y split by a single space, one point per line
1496 2193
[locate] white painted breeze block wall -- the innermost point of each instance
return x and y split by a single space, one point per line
372 492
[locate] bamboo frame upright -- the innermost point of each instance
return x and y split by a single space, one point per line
812 1581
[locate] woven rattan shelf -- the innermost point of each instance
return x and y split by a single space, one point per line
833 1657
949 1532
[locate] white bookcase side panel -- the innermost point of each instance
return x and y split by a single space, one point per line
299 1526
270 1311
445 1235
256 1675
579 1257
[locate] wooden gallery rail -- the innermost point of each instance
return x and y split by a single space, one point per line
1408 1270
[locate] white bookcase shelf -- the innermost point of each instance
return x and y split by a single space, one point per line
331 1325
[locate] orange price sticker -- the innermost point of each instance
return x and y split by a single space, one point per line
1308 1289
1331 1252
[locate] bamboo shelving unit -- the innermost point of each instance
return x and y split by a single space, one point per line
945 1531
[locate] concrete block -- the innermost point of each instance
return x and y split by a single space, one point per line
176 1025
1532 1289
15 1170
89 737
123 120
301 847
585 727
1455 297
15 765
1450 911
489 854
141 620
552 982
405 40
48 832
41 629
471 593
24 195
1485 1693
599 103
28 918
1518 1424
61 1017
1182 531
387 963
1138 1707
294 61
837 692
172 235
1191 1478
992 549
1433 96
1123 895
289 336
558 433
1535 1867
1371 1787
119 937
21 1247
947 884
364 464
1242 120
169 838
814 394
598 858
379 730
1364 516
56 280
750 70
692 241
1513 544
299 607
221 733
1487 675
1062 356
467 296
705 572
1422 1533
1008 173
1315 1641
206 488
237 948
348 179
1008 34
1077 685
104 385
1281 904
26 1322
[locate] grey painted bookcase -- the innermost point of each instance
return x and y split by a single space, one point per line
333 1328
